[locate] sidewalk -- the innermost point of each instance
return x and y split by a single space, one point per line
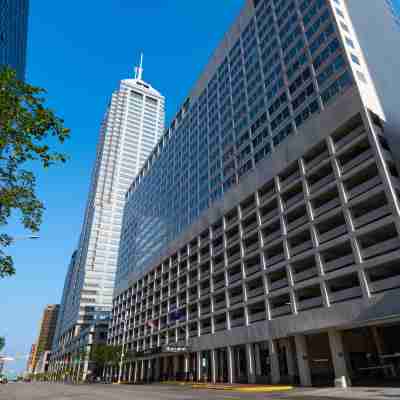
367 393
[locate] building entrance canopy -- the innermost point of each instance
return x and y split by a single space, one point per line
163 350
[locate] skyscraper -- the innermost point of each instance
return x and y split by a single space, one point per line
133 123
13 34
260 242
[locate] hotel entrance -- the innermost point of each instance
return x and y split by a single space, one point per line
320 360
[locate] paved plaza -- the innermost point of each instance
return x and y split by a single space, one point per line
45 391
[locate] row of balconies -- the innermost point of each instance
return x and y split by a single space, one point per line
272 231
353 148
338 289
236 295
381 277
328 229
381 240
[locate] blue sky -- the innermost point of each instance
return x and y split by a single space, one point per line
78 51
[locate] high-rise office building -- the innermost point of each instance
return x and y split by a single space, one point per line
46 333
133 124
13 34
260 241
69 300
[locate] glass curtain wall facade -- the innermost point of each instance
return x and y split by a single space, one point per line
133 124
13 34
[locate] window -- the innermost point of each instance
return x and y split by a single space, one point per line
344 26
355 59
339 12
349 42
361 76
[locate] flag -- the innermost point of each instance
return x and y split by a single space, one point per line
150 324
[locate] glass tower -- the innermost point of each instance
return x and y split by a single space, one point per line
133 123
13 34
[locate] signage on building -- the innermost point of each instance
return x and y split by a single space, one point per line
175 349
164 349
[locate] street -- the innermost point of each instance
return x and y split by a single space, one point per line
45 391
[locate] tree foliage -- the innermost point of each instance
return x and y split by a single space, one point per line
103 354
2 343
26 129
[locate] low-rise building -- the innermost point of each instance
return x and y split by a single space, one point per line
72 358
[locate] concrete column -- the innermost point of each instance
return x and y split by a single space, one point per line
290 360
199 366
165 367
213 367
175 364
158 369
273 354
303 361
251 376
123 372
130 373
342 377
142 375
149 370
257 358
230 365
135 371
120 371
186 366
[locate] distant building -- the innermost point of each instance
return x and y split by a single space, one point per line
29 364
13 34
43 362
46 334
74 354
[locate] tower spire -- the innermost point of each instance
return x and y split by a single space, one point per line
139 70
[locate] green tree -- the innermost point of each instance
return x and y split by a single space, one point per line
2 343
27 128
102 355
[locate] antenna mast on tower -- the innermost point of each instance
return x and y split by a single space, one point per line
139 70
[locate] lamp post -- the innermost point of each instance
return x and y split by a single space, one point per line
30 237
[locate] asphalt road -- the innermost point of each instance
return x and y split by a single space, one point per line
46 391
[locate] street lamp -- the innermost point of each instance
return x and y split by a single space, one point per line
31 237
